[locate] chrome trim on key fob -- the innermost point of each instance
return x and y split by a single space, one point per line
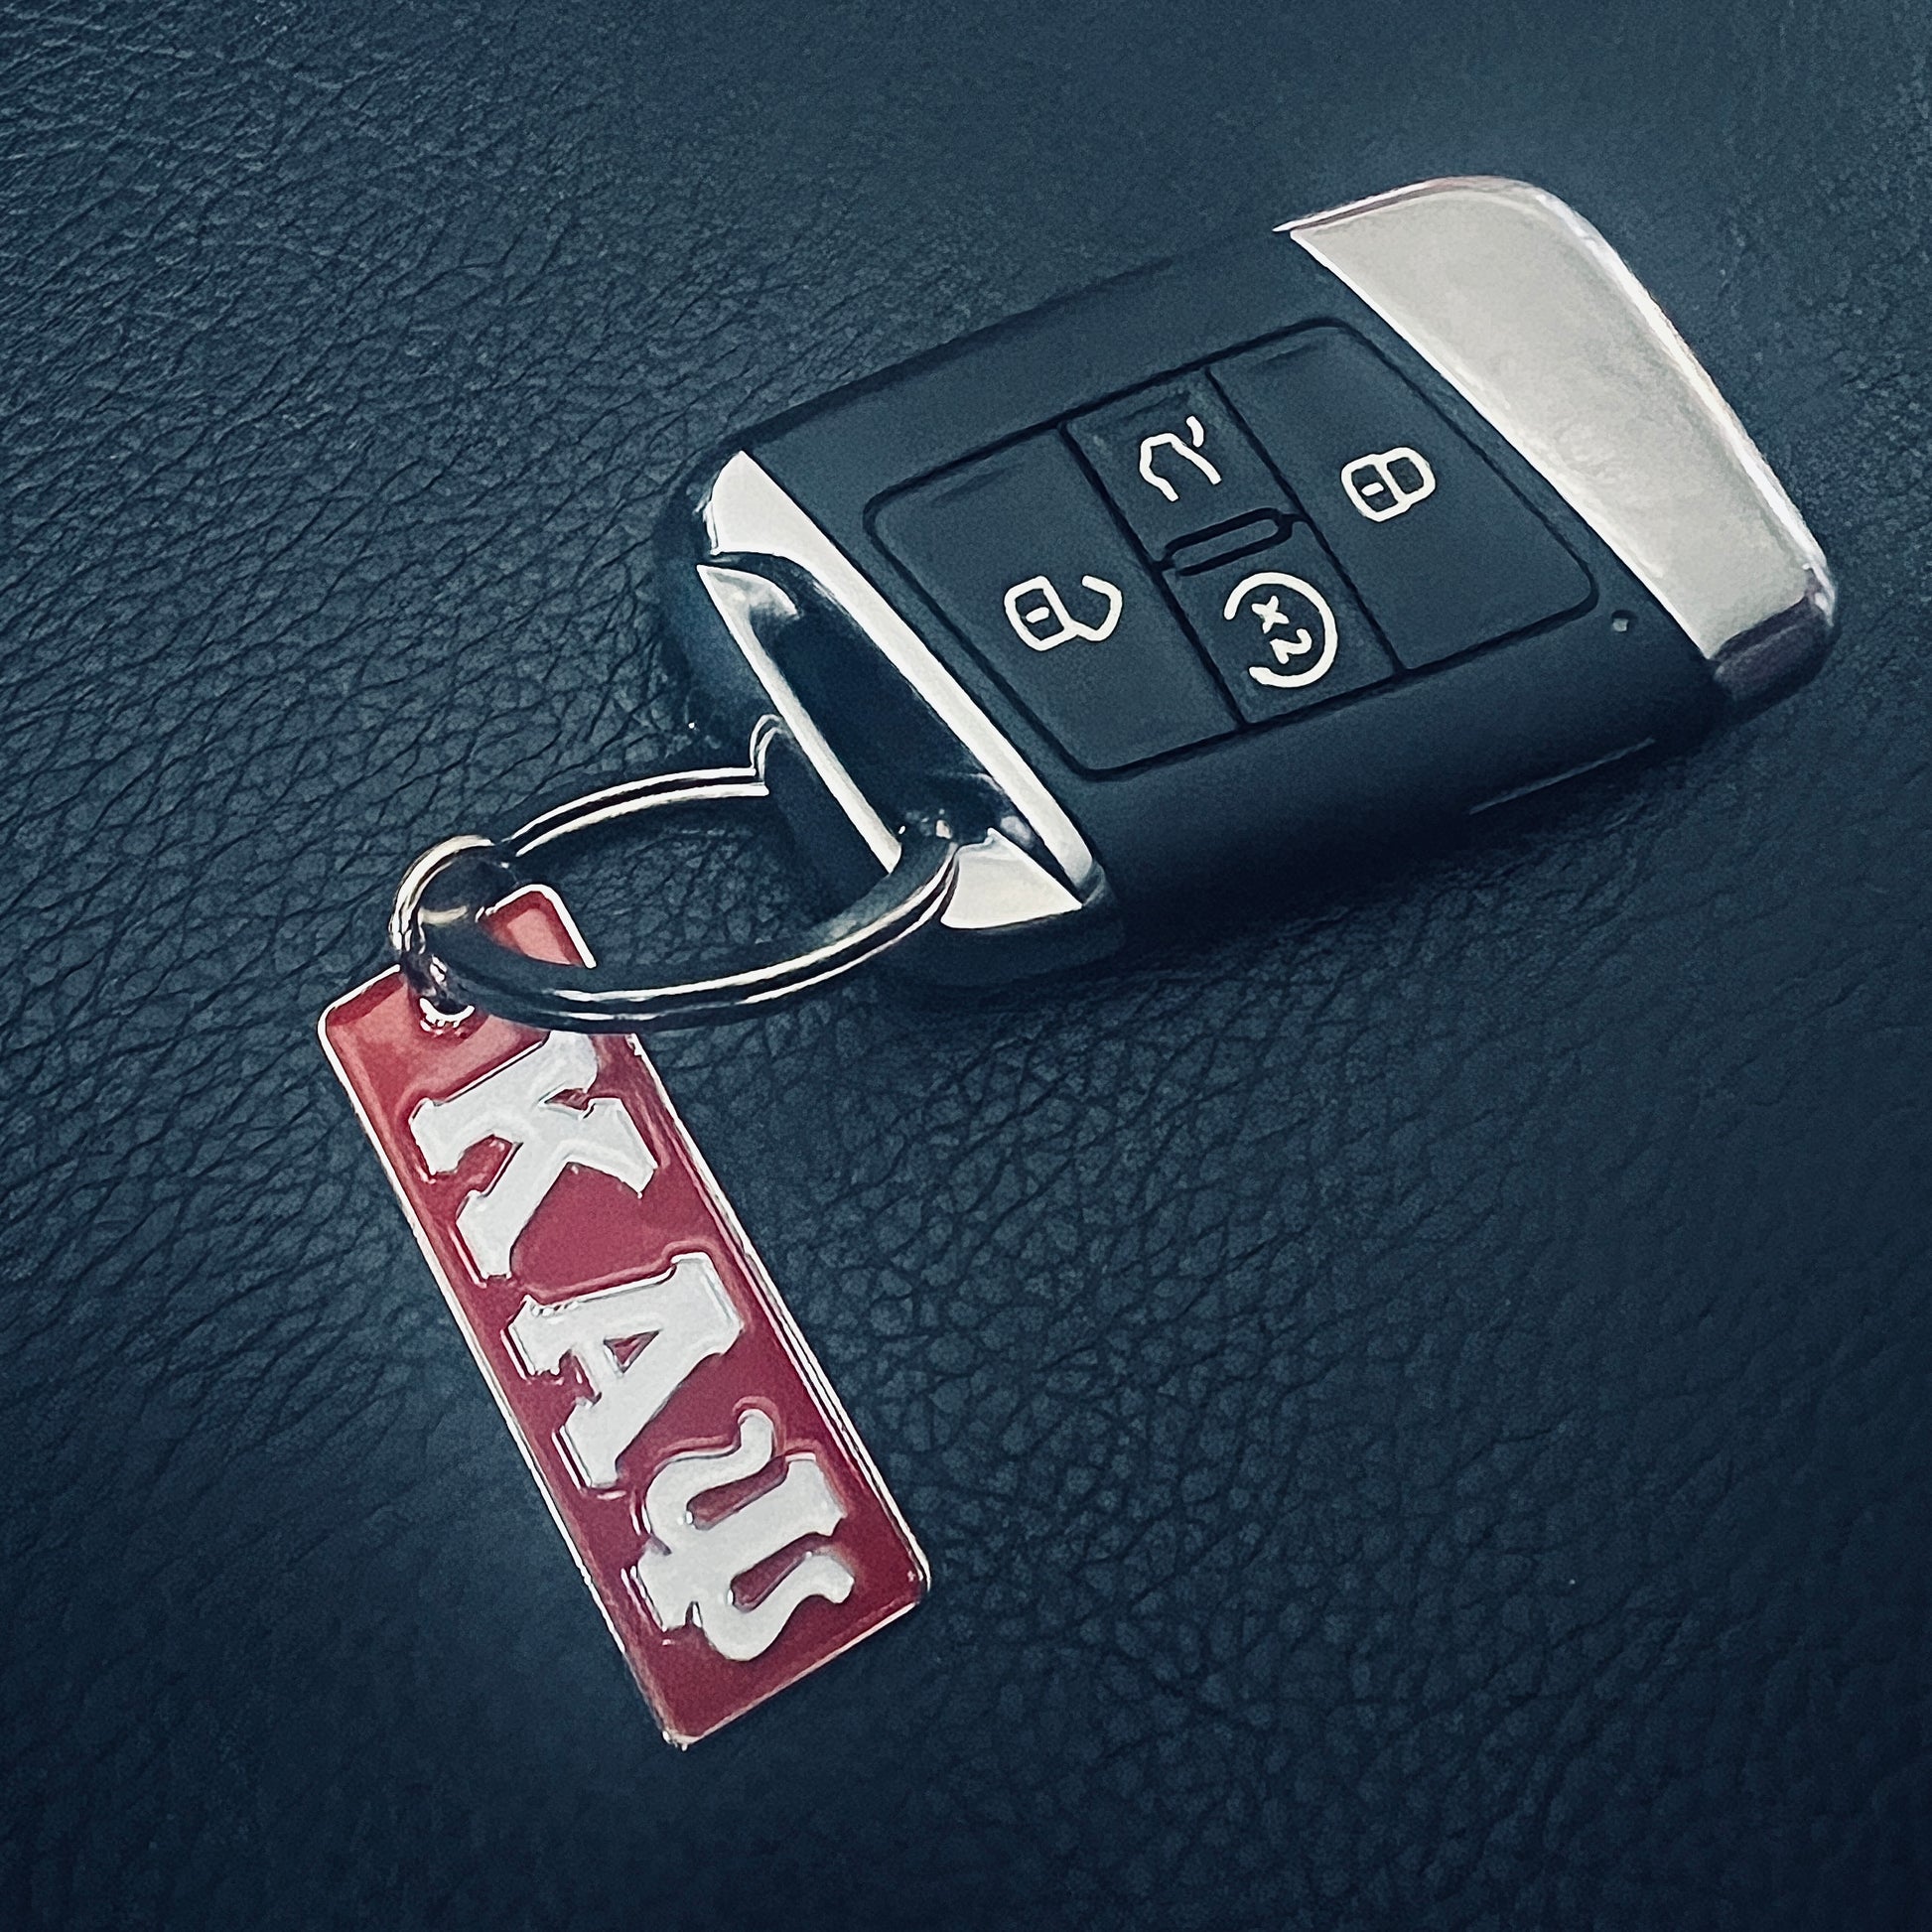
1515 299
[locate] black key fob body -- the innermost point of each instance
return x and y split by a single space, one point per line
1242 562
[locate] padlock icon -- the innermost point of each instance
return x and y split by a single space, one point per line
1388 482
1037 602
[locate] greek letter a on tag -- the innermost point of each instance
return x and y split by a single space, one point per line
689 1319
518 1103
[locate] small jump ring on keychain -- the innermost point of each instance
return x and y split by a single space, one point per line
438 934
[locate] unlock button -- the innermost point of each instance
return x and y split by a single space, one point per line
1022 556
1040 616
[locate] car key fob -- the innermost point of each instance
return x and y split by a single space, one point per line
1232 567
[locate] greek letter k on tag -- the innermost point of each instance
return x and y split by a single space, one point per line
723 1510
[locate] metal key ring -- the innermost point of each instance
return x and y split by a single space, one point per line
437 932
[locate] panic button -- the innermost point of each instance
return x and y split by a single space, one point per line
1443 551
1022 554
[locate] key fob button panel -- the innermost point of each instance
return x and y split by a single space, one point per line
1024 559
1176 463
1022 554
1282 628
1446 555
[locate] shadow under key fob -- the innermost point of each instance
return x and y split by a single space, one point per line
1285 550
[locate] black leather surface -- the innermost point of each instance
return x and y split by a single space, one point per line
1419 1409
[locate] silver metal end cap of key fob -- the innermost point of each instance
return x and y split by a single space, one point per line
1532 316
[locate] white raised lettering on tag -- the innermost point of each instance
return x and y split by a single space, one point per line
687 1573
689 1319
518 1103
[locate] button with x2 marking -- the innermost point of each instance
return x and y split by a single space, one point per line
1282 628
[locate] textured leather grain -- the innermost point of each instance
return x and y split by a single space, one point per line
1417 1405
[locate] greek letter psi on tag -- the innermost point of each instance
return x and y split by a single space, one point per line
715 1495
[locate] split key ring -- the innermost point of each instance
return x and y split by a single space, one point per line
443 945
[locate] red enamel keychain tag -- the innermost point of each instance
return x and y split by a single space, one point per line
723 1510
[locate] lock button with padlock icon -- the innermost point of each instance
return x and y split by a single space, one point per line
1389 482
1443 550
